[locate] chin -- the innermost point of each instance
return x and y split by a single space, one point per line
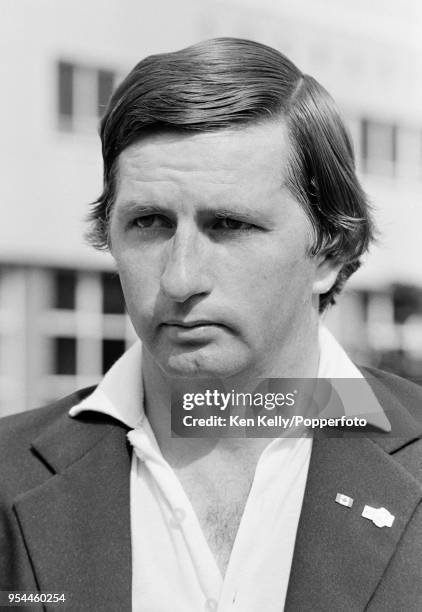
200 363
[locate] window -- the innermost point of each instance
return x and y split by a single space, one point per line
64 289
82 317
65 94
112 350
69 324
407 301
112 294
64 355
83 94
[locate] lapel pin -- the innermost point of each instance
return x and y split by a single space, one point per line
381 517
344 500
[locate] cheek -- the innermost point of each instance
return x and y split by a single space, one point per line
140 284
283 285
271 273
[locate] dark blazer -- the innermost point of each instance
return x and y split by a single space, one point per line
65 523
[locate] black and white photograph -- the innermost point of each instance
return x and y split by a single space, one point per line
211 306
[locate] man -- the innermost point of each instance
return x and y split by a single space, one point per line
234 215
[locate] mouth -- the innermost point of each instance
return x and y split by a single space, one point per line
191 324
195 331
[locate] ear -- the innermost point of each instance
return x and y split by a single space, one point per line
326 274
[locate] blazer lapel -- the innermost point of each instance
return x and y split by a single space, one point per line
340 556
76 525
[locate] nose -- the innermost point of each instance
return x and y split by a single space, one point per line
185 271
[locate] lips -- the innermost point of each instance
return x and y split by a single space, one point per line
191 324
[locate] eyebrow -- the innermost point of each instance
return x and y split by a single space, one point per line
132 207
240 213
220 212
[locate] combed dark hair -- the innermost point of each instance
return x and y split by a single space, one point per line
227 82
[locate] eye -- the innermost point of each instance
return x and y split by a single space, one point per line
152 221
232 224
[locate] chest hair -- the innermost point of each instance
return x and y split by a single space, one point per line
218 496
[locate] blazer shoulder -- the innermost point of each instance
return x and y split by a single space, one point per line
29 423
20 467
18 431
408 393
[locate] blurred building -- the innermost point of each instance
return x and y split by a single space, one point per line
62 320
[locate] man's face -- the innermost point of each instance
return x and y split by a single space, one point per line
211 249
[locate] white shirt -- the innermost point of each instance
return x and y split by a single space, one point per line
172 565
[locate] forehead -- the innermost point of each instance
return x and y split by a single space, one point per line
246 159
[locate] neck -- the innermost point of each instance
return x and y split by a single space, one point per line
302 362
